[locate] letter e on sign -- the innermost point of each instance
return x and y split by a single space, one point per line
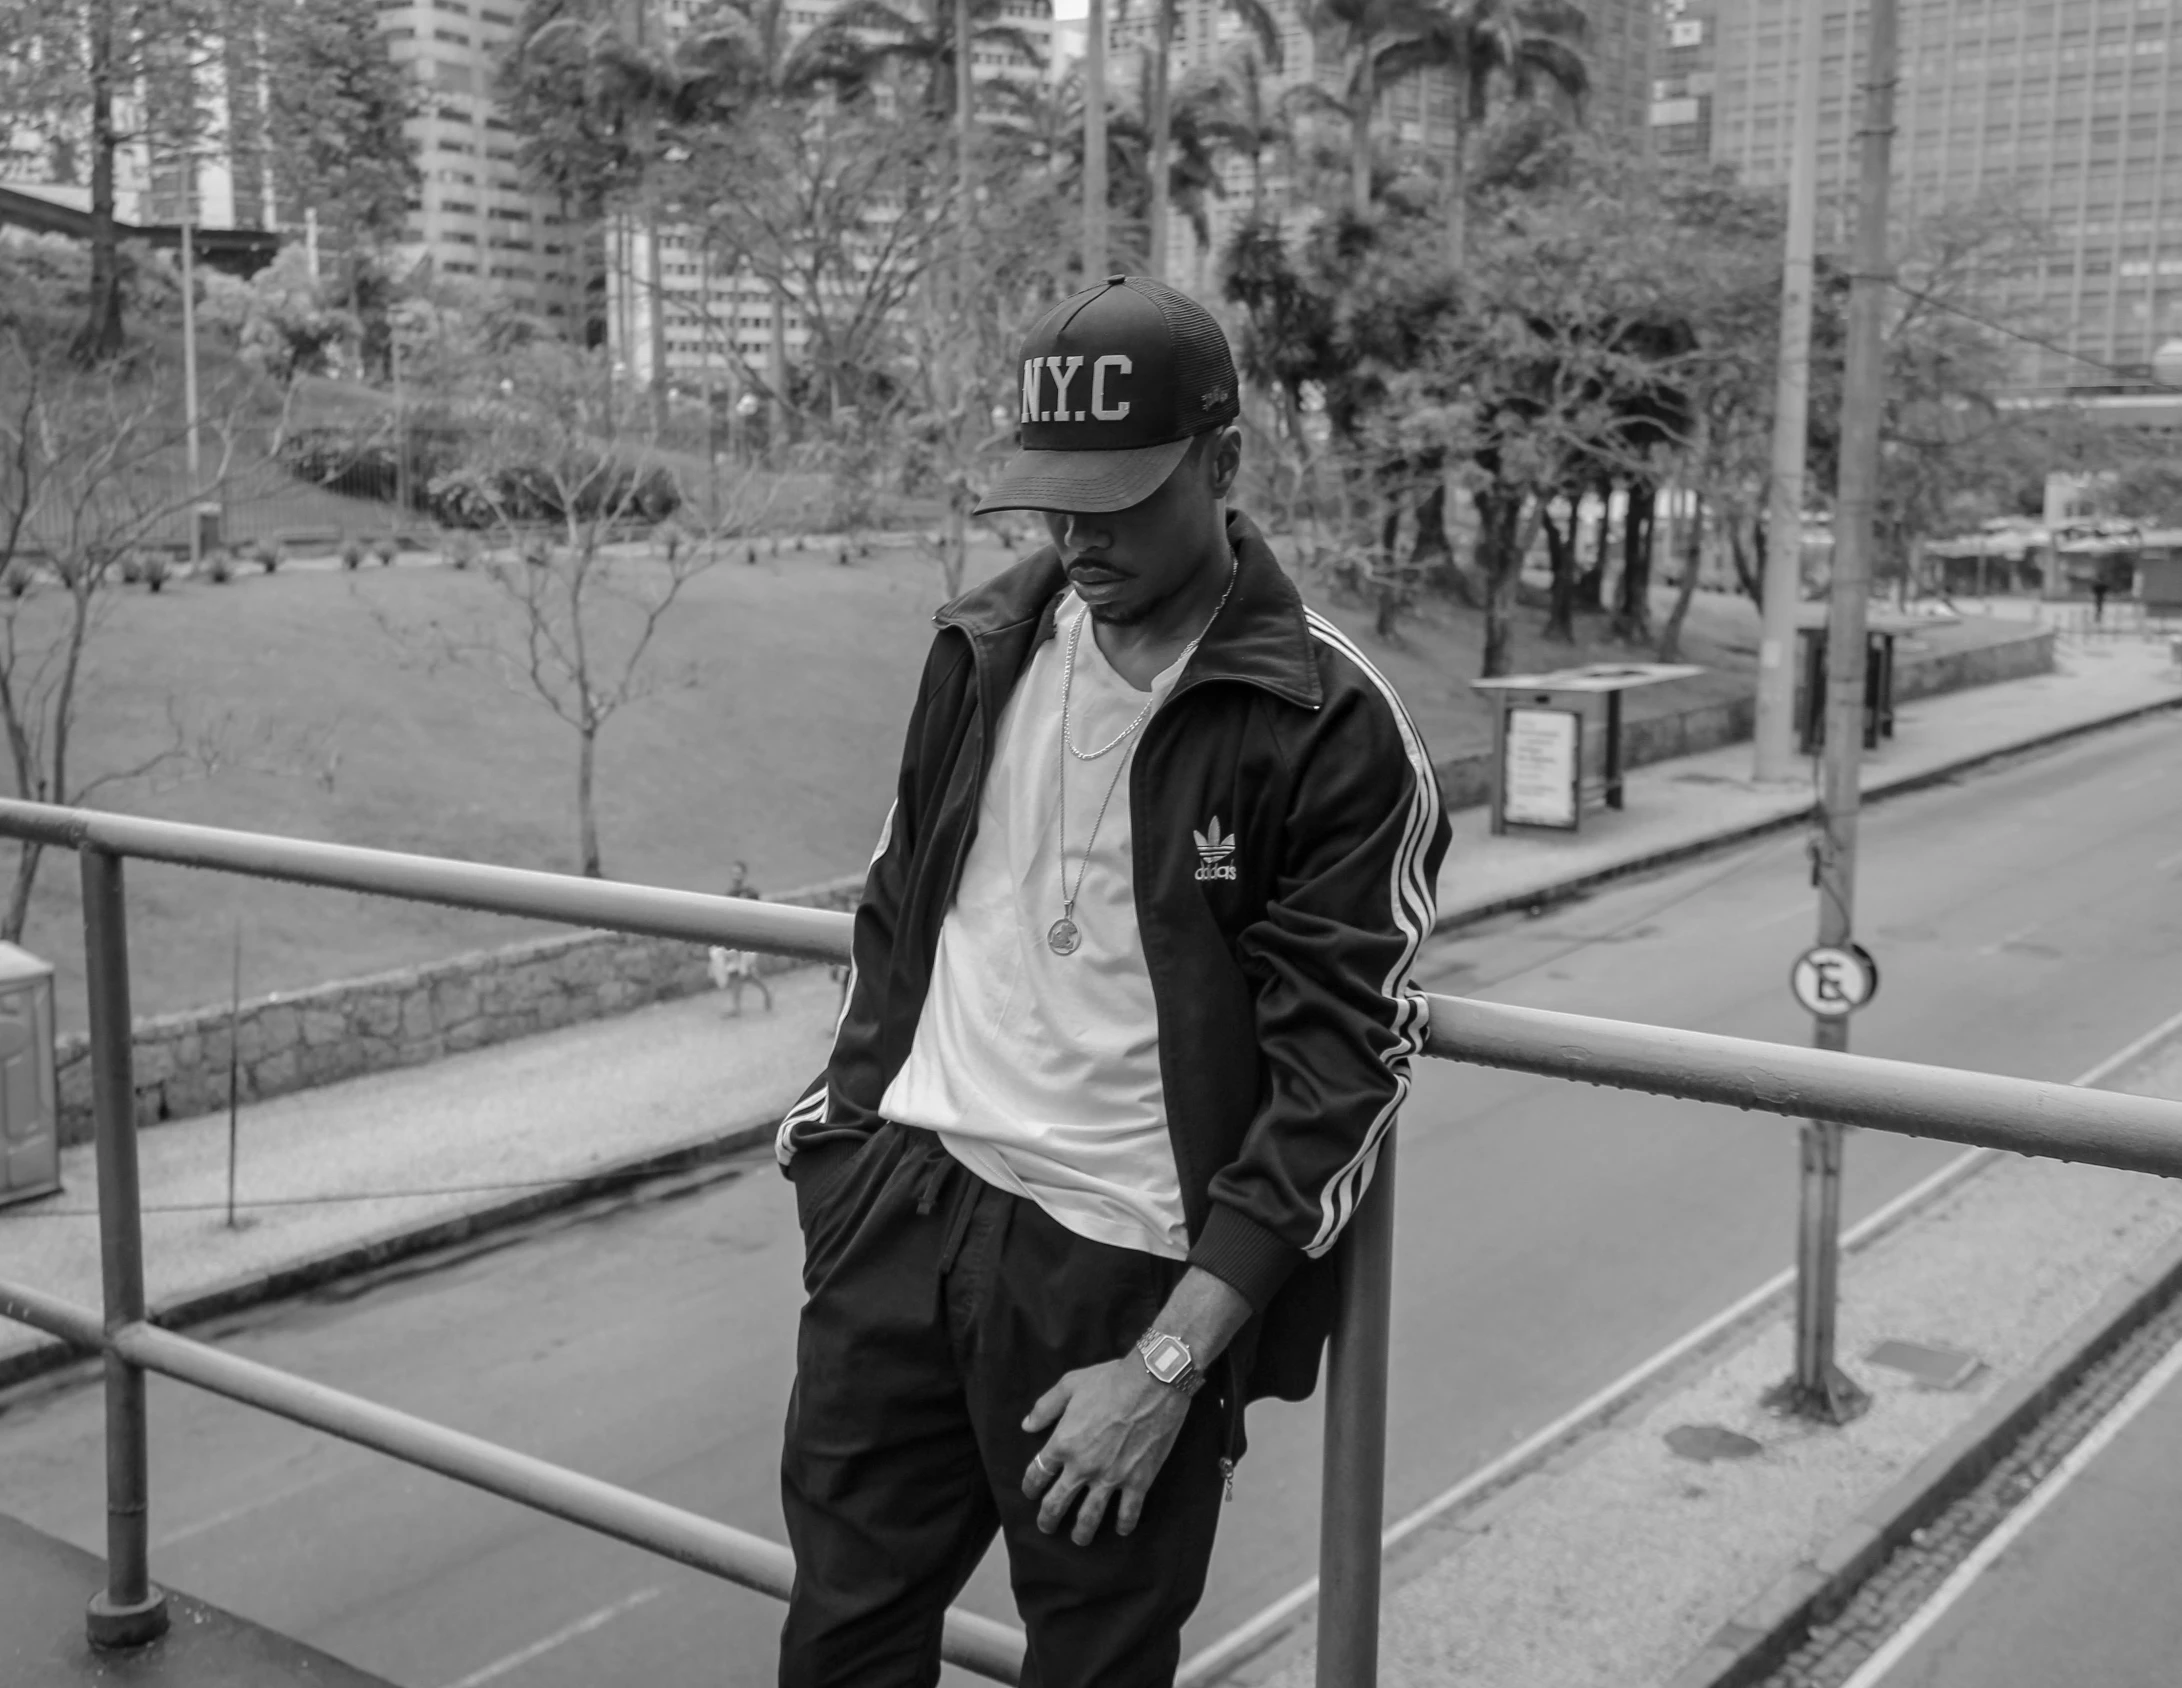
1832 981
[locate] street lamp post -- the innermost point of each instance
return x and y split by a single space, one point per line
192 451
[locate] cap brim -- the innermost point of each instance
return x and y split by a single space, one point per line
1089 483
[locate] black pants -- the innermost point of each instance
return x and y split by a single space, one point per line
939 1310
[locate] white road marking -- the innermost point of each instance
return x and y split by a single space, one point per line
2011 1528
257 1503
560 1637
2014 937
1245 1639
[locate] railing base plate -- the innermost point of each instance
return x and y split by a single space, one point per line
109 1625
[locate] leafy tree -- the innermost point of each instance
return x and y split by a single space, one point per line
1158 106
1375 40
919 39
335 104
1526 44
67 75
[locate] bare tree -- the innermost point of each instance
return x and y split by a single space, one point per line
90 474
567 475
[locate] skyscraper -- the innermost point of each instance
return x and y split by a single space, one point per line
2070 110
474 216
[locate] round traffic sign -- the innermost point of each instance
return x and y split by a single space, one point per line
1834 981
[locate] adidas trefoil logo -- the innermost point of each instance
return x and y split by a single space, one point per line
1215 850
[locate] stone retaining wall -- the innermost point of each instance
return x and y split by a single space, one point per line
294 1040
1466 781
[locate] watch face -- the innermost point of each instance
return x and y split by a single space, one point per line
1167 1359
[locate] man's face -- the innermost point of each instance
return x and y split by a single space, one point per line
1126 563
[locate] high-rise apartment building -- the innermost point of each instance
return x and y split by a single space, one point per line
2070 110
1678 117
475 217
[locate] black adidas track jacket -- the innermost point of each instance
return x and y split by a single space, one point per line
1286 1015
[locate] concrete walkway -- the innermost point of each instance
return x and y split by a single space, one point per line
352 1174
44 1584
1692 803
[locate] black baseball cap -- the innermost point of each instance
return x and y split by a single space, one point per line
1115 382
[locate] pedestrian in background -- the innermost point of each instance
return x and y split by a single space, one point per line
1128 1020
733 969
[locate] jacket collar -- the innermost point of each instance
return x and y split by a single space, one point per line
1260 639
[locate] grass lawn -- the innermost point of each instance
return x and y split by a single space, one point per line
780 751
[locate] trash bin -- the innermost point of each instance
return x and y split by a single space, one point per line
30 1118
1878 688
207 518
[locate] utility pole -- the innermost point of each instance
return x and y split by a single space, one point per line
1094 144
1783 579
1820 1389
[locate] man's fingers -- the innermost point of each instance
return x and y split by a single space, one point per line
1043 1469
1089 1514
1059 1499
1047 1411
1129 1511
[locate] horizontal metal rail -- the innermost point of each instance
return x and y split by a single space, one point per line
813 934
2103 1128
2024 1116
2097 1127
977 1644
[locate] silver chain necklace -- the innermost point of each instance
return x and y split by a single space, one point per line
1064 937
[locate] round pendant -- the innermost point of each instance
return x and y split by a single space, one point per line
1062 938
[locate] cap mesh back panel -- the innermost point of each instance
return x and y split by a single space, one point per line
1202 362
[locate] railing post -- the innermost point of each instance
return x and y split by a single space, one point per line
1352 1503
129 1611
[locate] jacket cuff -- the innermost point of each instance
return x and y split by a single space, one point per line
1245 1255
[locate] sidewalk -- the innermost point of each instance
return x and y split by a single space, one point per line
334 1179
1686 1537
43 1587
1694 803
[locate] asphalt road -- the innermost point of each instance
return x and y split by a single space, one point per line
1551 1237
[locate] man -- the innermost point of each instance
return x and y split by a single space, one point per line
1129 1018
732 969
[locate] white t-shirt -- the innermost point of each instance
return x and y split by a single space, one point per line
1040 1072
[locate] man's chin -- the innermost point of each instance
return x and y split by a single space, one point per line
1122 614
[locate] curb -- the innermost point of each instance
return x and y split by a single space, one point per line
1566 890
404 1243
1759 1638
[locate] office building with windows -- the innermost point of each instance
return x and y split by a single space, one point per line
2068 110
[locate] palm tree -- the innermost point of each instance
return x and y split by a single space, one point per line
1528 44
1378 44
1239 108
881 33
1258 18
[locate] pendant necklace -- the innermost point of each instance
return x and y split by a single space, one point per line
1064 937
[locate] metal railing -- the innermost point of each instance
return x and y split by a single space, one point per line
2097 1127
